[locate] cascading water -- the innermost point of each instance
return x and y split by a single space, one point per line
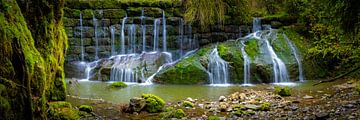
279 68
123 35
123 68
132 39
156 34
218 68
181 36
112 32
246 64
143 30
297 57
81 38
96 37
256 24
164 31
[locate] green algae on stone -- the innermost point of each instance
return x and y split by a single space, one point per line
118 85
282 91
62 111
153 103
86 108
188 104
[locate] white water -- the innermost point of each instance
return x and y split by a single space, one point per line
181 36
123 68
81 37
89 67
143 30
279 68
297 57
218 68
164 32
156 34
256 25
96 37
132 39
246 64
112 31
123 35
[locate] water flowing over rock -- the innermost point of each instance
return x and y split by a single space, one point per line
218 68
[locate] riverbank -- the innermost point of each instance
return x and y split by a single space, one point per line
308 102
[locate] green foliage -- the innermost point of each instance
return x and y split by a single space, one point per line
214 118
252 48
179 113
282 91
86 108
188 104
265 106
205 12
153 103
118 85
239 112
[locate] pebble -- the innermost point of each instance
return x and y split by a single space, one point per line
322 115
222 99
308 97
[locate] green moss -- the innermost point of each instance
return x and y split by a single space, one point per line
357 88
265 106
214 118
153 103
87 13
188 104
170 112
252 49
118 85
62 111
282 91
114 13
71 13
86 108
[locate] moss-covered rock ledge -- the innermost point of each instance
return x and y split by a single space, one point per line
33 44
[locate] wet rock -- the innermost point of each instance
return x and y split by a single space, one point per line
351 117
222 99
308 97
223 106
252 106
190 99
322 116
349 106
136 104
306 109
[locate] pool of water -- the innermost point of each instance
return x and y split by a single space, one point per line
170 93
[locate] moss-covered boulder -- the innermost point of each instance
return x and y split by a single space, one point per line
170 112
153 103
118 85
282 91
189 70
62 111
86 108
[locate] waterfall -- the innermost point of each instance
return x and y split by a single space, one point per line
279 68
132 39
89 67
96 37
164 31
218 68
123 68
256 24
112 31
181 36
143 30
123 35
81 37
246 64
156 34
297 57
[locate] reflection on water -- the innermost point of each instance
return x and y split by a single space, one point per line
170 93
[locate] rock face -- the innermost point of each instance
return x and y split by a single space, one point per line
136 104
193 69
33 44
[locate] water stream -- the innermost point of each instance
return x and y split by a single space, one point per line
218 68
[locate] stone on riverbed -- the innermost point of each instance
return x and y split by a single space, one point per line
136 104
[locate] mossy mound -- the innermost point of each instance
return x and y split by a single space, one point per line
118 85
153 103
189 70
282 91
188 104
62 111
170 112
86 108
